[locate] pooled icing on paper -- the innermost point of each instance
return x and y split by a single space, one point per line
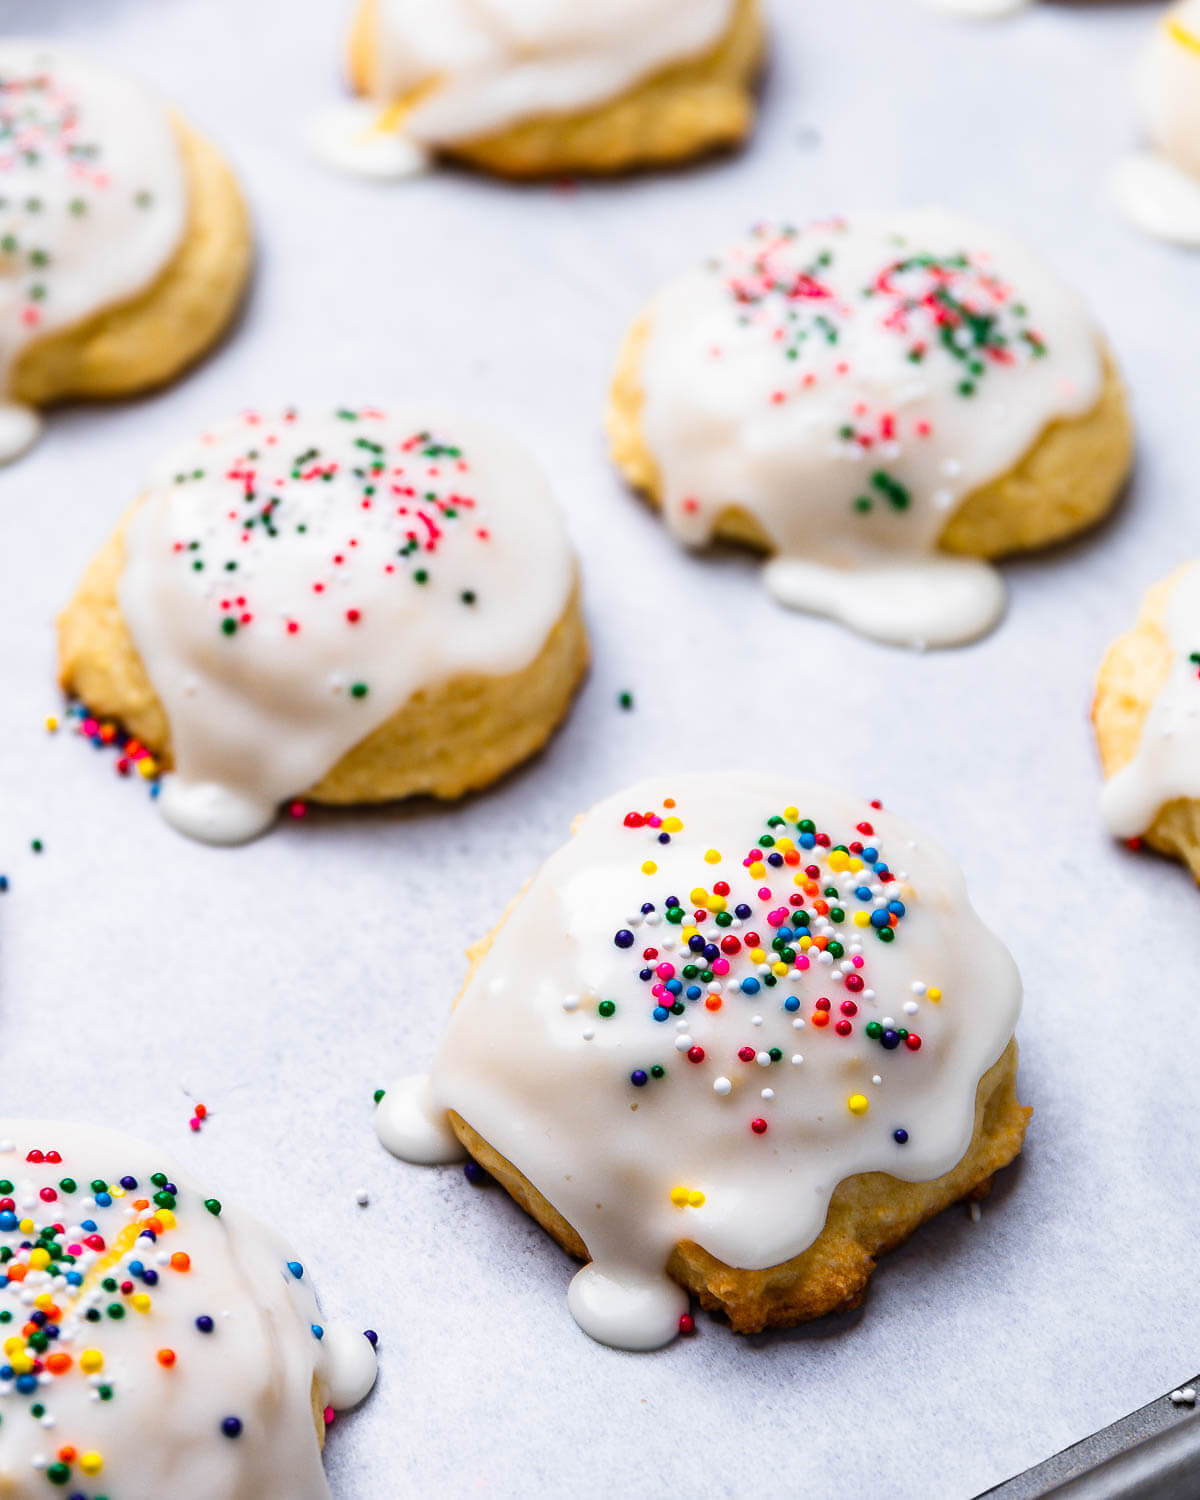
1167 763
723 997
848 385
92 201
154 1342
1159 189
447 71
291 581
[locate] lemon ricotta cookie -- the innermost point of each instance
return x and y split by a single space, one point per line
155 1341
124 242
344 607
1159 188
530 88
1147 718
881 404
737 1038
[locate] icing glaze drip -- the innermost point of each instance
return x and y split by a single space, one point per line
1160 190
447 71
172 1342
92 200
723 997
847 386
1167 763
291 582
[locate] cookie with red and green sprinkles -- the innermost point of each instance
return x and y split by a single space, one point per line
154 1339
345 605
728 1003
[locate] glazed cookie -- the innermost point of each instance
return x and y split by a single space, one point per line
1147 718
881 404
1159 189
124 242
531 88
156 1342
347 607
738 1038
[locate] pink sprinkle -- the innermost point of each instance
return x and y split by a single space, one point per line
720 966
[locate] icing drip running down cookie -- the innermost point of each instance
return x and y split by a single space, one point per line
155 1342
740 1036
124 245
1147 718
350 607
1159 189
530 88
880 404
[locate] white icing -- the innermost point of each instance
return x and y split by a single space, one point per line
532 1063
160 1432
780 380
353 137
1167 763
92 199
464 69
1160 192
432 549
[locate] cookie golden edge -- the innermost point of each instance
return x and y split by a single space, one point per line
869 1214
445 741
152 337
1068 481
702 104
1134 670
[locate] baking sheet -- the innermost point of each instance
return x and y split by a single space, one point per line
281 983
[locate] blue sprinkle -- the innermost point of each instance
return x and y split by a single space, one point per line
638 1078
880 918
104 1200
870 855
624 938
741 910
791 1003
296 1269
693 992
318 1331
8 1219
900 1137
896 907
660 1012
808 840
863 892
750 986
90 1225
26 1384
674 986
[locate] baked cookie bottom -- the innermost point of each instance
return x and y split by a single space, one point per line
869 1215
699 105
1068 480
446 740
148 339
1134 670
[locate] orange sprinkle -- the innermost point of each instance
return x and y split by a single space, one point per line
713 1003
58 1364
67 1453
181 1261
166 1358
668 801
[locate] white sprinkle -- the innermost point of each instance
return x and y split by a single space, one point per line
681 1024
951 468
589 1033
763 1059
570 1002
1184 1397
722 1086
911 1007
868 995
976 1213
767 1094
918 988
362 1197
797 1024
797 1059
756 1020
876 1080
682 1043
887 1023
7 1146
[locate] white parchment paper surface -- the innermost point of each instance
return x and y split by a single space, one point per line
281 983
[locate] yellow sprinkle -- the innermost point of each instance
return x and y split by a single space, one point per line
805 943
799 879
779 968
51 723
838 859
858 1104
935 995
679 1197
689 931
856 864
115 1190
698 896
649 868
695 1200
758 870
90 1361
717 903
13 1345
861 919
785 846
791 814
757 956
21 1364
1178 32
712 856
44 1301
671 825
26 1226
39 1259
91 1463
165 1217
147 767
141 1302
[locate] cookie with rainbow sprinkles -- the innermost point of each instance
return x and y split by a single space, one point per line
881 404
1147 718
1159 188
124 241
534 88
153 1340
343 606
735 1040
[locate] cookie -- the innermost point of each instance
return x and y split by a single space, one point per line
1159 188
738 1038
342 607
1147 718
124 241
156 1341
880 404
525 88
